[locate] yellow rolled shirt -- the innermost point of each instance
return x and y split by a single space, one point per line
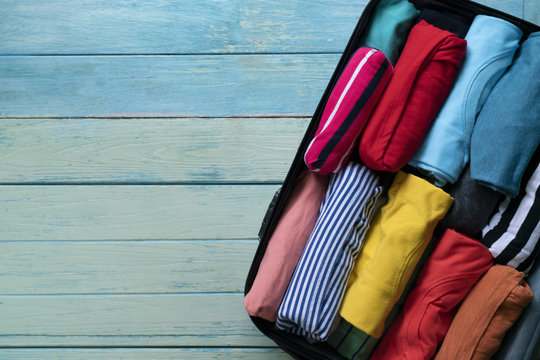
393 246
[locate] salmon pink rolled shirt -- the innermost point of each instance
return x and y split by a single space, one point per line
286 245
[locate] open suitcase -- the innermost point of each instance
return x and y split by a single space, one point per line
298 346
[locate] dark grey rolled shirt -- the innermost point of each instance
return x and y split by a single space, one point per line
472 207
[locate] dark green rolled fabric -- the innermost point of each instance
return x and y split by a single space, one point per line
352 343
389 27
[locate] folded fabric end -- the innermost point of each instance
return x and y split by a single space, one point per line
455 265
373 163
492 306
510 191
373 330
436 175
422 80
257 308
310 307
347 110
390 24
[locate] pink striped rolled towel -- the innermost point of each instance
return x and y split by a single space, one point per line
349 106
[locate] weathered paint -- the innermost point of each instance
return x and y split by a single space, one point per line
135 212
512 7
531 11
150 266
124 267
145 354
173 85
186 319
186 26
213 150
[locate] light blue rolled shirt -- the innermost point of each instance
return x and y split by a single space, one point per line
491 45
507 130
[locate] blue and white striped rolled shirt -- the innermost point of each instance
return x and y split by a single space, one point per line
317 286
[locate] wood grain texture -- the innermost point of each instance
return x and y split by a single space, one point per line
513 7
149 86
145 354
124 267
135 341
186 26
178 320
165 212
210 26
113 266
531 11
224 150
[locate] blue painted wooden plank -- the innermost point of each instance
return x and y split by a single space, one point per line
531 11
222 150
193 320
145 354
151 341
116 267
165 26
147 86
193 26
513 7
162 212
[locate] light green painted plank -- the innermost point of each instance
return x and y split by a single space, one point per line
133 340
195 354
531 11
150 86
187 320
165 212
148 150
187 26
513 7
124 267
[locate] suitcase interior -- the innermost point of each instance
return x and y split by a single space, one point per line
297 346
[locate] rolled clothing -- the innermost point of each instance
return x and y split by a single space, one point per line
394 244
286 245
522 338
347 110
454 267
445 149
353 343
493 305
448 21
422 79
389 27
509 120
472 208
312 300
513 232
